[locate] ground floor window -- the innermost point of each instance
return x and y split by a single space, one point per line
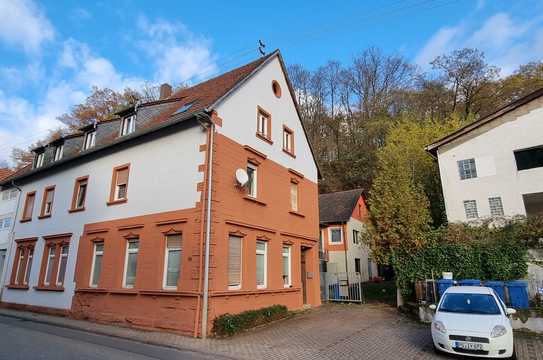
234 262
131 263
261 264
23 263
287 266
96 268
357 265
533 203
172 260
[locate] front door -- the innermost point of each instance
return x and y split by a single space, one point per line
304 275
2 261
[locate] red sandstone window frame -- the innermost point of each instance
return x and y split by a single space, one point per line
24 255
79 182
238 284
28 208
47 210
167 250
288 141
115 184
294 200
263 131
54 245
265 253
129 251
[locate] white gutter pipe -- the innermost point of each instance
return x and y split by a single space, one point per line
208 232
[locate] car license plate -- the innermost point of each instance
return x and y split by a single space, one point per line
468 345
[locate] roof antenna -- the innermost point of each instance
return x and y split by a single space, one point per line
261 47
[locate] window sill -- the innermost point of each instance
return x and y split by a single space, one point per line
49 288
123 291
92 290
25 220
76 210
116 202
44 216
166 293
289 153
263 137
296 213
18 287
249 198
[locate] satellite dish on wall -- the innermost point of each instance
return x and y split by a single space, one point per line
241 177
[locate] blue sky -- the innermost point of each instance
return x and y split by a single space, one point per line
52 52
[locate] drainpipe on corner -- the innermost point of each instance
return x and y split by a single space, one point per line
11 238
208 232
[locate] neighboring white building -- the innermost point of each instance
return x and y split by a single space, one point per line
494 166
342 216
8 206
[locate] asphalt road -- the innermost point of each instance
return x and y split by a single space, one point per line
22 339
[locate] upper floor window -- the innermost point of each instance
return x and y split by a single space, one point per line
356 237
467 169
119 184
288 140
59 152
40 157
5 224
29 206
263 129
47 201
470 207
529 158
90 140
252 183
9 194
336 236
128 125
496 206
293 196
80 193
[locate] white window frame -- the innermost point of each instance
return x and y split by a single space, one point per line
128 125
469 172
494 207
167 250
19 262
8 195
265 253
254 189
39 159
466 202
80 185
28 267
356 239
263 124
95 252
59 152
236 287
50 262
130 251
330 242
90 140
289 259
62 255
48 206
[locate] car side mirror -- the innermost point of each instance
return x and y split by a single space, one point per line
433 307
510 311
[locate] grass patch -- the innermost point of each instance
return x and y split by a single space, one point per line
230 324
384 292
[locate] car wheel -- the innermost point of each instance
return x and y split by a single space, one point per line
514 356
436 349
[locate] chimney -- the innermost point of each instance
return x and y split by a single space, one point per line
165 91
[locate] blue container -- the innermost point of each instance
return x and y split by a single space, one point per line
518 294
469 282
442 285
498 287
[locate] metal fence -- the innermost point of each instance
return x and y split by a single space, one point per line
342 287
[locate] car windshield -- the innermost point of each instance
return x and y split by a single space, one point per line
481 304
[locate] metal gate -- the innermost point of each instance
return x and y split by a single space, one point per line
343 287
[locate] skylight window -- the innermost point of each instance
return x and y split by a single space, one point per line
184 108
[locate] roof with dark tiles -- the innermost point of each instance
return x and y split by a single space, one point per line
338 207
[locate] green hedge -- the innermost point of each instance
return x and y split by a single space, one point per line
469 252
230 324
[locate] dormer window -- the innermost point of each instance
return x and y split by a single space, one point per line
59 152
90 140
128 125
39 159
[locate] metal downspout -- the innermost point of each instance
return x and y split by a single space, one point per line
208 233
10 239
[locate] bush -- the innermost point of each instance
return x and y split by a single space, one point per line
230 324
384 291
470 252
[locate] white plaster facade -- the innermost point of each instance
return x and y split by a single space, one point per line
8 206
163 177
239 111
492 146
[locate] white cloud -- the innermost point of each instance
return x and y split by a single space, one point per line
177 54
23 24
507 42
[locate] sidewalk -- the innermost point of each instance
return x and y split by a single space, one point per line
330 332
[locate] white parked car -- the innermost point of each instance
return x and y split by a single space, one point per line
472 321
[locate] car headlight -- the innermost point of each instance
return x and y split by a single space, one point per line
439 326
499 330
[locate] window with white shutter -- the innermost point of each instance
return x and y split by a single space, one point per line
234 262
